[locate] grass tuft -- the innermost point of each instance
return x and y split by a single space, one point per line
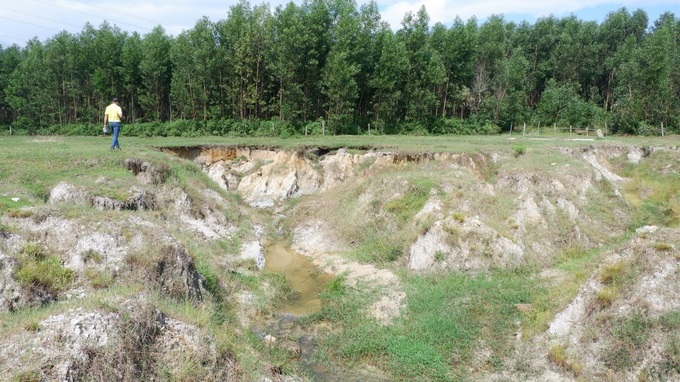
663 247
558 356
606 296
614 274
99 279
38 269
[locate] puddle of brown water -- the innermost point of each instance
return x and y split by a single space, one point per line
303 275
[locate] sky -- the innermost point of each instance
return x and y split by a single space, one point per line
22 20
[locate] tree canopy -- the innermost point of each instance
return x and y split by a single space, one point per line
293 66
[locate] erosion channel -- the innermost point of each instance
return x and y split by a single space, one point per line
511 260
305 279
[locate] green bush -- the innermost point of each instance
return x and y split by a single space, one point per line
518 150
647 130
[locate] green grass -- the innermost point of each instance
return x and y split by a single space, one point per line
519 149
40 269
630 335
448 316
413 201
653 190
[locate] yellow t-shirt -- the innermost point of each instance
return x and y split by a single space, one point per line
113 112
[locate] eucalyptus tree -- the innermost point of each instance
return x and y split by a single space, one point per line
132 55
30 89
618 36
243 44
537 42
154 74
339 74
317 22
284 62
100 68
507 104
425 69
195 80
490 82
554 102
367 51
456 46
646 89
576 55
62 53
10 58
389 81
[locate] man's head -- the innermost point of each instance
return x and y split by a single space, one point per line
115 99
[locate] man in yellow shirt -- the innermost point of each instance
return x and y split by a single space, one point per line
113 115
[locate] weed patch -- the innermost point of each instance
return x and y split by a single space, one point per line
99 279
413 201
377 250
448 315
654 191
40 270
629 336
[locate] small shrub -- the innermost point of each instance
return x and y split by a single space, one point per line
518 150
378 250
282 288
19 214
336 287
646 129
413 200
453 231
138 260
459 217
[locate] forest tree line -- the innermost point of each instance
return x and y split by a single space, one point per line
330 63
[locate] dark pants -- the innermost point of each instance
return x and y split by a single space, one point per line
115 130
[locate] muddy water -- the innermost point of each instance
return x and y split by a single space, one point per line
302 274
309 281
